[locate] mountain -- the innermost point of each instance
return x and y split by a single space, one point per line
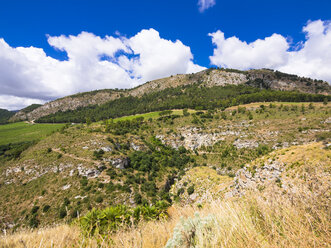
262 79
5 115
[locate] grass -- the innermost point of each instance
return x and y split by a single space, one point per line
81 141
152 115
21 131
248 222
259 219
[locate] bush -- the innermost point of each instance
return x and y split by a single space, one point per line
46 208
34 209
190 190
187 230
99 199
109 220
180 191
66 201
138 198
34 222
98 154
62 213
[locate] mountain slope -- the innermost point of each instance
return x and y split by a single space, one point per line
290 212
267 79
135 160
5 115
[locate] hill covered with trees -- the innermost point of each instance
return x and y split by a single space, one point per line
210 78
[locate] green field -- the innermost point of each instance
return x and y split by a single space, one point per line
20 132
152 115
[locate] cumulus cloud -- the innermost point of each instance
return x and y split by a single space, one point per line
205 4
15 103
311 58
93 63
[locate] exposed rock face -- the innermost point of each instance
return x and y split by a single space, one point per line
207 78
67 103
240 144
191 138
106 149
207 183
135 147
88 172
120 163
27 173
255 178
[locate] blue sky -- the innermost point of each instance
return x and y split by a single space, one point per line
28 23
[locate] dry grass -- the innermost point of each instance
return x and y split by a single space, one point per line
257 220
247 222
60 236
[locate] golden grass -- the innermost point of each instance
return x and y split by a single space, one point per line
247 222
255 220
60 236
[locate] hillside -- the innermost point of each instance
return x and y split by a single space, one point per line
137 160
5 115
261 79
289 210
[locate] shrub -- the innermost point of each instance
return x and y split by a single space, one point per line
34 222
185 112
109 220
99 199
180 191
66 201
62 213
34 209
46 208
138 198
190 190
187 230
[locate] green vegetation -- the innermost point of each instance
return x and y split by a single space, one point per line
13 151
30 108
5 115
135 160
23 132
109 220
189 96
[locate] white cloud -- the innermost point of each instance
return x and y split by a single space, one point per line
159 57
93 63
15 103
205 4
312 58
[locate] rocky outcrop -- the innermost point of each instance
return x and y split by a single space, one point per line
118 163
206 78
191 138
67 103
251 178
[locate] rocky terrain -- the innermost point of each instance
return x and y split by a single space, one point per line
208 78
84 166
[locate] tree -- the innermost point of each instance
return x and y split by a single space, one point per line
88 121
325 101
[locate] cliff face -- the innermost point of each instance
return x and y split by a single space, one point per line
208 78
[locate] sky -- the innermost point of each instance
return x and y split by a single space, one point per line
50 49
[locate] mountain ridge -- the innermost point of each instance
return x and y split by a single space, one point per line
262 78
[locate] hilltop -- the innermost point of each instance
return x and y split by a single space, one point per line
260 79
